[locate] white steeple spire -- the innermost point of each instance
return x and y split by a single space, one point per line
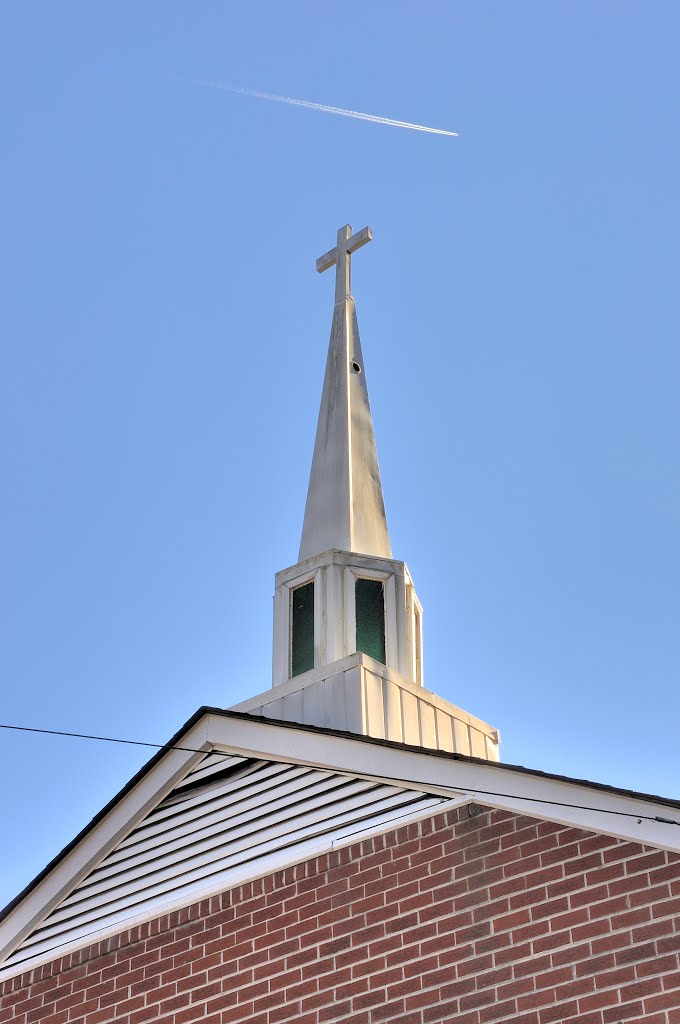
345 508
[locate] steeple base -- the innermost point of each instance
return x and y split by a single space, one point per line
360 695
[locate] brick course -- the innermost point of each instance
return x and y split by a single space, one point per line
473 916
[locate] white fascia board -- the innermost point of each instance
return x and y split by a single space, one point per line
598 810
105 835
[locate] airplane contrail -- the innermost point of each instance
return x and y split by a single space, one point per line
324 108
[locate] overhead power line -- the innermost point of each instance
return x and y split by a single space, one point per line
660 819
104 739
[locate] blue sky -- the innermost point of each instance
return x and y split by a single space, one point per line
163 338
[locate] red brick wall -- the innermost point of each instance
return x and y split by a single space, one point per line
468 917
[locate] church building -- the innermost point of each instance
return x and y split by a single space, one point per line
347 845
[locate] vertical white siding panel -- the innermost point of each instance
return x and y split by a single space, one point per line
444 731
354 708
375 711
461 735
393 725
477 744
410 717
428 729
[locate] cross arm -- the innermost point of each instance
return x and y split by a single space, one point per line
326 261
359 239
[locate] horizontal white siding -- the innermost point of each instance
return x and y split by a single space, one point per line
226 812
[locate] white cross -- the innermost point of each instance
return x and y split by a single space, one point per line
340 258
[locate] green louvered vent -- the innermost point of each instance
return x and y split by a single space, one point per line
302 629
370 616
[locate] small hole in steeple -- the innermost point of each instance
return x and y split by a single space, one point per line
356 367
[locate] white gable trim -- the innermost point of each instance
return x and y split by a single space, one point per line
461 781
120 820
598 810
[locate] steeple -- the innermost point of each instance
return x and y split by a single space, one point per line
345 508
348 626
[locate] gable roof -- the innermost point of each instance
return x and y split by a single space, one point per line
226 800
